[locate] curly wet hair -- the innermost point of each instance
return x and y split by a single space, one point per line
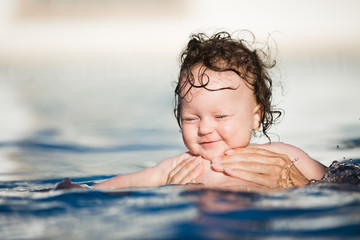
221 53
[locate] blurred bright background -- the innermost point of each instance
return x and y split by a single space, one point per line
99 73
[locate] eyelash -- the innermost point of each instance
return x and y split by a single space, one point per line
193 119
189 119
221 116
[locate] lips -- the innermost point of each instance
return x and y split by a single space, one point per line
208 142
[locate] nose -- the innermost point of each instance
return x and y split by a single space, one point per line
206 126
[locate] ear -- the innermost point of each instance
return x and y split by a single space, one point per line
257 113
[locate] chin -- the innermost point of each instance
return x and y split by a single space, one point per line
210 156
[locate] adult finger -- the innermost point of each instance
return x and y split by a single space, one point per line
260 151
255 167
251 150
259 179
253 157
297 177
251 154
278 177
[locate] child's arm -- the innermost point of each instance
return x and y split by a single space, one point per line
146 177
153 176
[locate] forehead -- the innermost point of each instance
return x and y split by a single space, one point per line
203 78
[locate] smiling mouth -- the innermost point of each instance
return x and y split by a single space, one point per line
209 142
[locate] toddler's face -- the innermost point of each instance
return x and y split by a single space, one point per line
216 121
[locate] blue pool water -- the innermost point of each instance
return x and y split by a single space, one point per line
316 211
90 123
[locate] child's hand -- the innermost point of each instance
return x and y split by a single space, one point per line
187 171
259 166
67 184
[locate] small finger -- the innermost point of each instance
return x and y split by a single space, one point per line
173 172
191 176
179 167
180 173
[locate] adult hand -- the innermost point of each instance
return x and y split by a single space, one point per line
259 166
186 171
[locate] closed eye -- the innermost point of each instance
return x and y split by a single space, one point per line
189 119
221 116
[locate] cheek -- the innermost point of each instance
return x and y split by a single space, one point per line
188 134
237 133
228 131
